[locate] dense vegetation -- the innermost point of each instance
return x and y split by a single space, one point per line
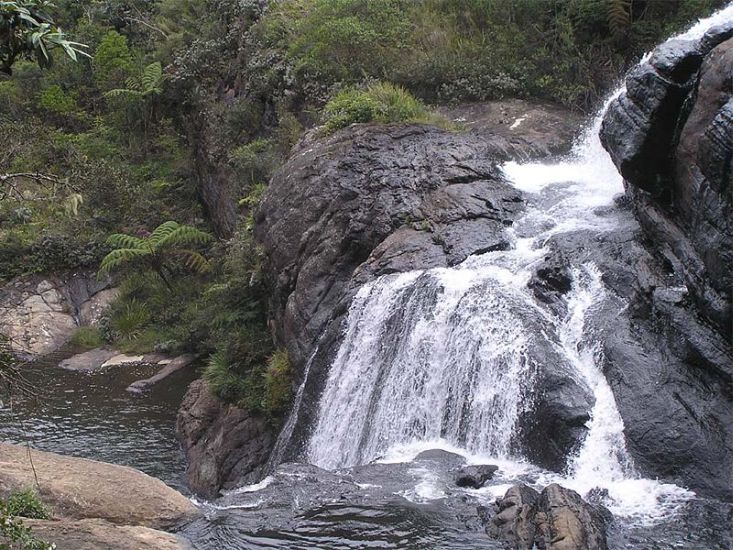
186 108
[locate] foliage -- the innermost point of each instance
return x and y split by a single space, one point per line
27 504
13 534
27 31
88 338
162 250
278 384
380 102
112 60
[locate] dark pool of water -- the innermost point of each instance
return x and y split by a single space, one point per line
91 415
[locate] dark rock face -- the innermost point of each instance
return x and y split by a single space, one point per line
224 445
671 136
475 476
556 519
373 200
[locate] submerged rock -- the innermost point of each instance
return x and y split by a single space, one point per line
556 519
224 445
77 488
475 476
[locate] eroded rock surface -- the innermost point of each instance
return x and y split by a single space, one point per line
374 200
40 314
224 445
78 488
555 519
668 356
93 534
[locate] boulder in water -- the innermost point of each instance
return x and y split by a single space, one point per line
556 519
224 445
475 476
444 458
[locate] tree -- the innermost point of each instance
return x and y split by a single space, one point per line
28 32
169 243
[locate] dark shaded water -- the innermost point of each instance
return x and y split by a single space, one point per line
91 415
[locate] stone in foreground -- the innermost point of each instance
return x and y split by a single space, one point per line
77 488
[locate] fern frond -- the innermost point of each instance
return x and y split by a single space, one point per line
118 257
162 231
194 261
120 240
123 91
152 78
183 235
619 16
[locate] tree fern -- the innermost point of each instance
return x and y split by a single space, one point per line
168 242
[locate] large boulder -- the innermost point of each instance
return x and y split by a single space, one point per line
668 356
556 519
224 445
373 200
671 136
78 488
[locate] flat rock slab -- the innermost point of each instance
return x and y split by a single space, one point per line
78 488
170 366
89 360
123 359
93 534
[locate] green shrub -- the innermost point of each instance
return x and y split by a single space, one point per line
223 381
112 61
26 504
128 319
381 102
56 101
278 390
88 337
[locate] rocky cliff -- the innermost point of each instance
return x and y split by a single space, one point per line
670 360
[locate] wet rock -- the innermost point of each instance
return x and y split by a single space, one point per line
445 458
556 519
89 360
93 534
671 136
475 476
77 488
372 200
224 445
514 519
668 356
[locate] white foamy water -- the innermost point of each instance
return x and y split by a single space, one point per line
448 357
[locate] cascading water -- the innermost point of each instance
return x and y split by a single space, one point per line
450 355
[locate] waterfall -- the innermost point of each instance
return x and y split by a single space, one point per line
452 354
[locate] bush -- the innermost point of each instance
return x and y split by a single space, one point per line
13 534
381 102
56 101
88 337
278 390
27 504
